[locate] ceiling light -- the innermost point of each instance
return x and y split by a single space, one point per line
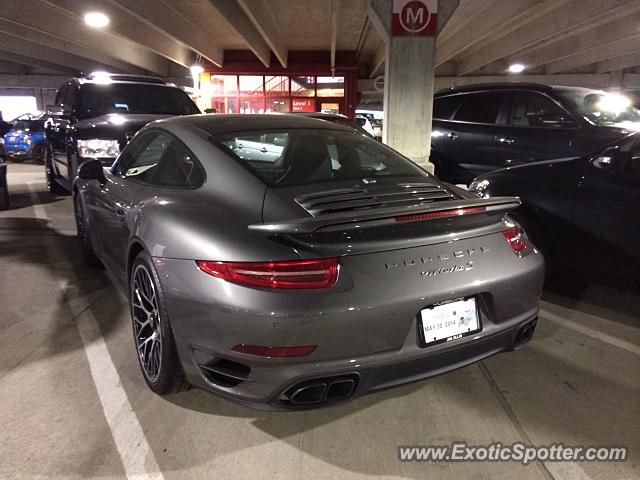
516 68
196 69
96 19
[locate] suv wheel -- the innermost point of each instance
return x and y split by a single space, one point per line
38 153
89 256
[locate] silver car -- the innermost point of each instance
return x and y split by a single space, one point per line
327 268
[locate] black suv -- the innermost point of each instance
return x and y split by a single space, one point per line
481 128
95 116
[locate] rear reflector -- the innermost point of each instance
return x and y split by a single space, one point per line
264 351
321 273
443 213
515 239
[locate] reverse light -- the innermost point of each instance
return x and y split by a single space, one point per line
320 273
443 213
98 148
515 239
265 351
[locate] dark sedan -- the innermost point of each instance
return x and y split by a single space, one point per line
583 213
289 262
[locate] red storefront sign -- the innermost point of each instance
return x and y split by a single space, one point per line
414 18
303 104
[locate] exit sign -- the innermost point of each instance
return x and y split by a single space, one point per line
414 18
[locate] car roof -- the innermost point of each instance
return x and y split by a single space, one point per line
217 123
481 87
119 78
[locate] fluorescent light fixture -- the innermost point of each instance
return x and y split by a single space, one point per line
196 69
516 68
96 19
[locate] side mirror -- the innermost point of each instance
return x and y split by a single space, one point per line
57 111
92 170
361 121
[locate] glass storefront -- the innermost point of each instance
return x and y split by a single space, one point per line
270 93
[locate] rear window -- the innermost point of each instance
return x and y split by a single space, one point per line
480 107
299 156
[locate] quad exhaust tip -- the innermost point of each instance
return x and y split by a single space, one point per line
320 391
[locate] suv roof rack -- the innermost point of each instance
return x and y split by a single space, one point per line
124 77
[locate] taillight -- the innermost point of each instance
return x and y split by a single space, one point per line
515 239
265 351
321 273
440 214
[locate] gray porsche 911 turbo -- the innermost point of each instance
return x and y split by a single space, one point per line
286 262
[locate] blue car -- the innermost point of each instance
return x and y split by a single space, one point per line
25 140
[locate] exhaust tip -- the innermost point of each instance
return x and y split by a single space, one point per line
525 333
320 391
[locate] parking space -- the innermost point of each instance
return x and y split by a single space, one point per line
74 404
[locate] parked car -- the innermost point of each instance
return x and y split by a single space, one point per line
477 129
582 213
4 188
365 124
304 280
95 116
335 118
25 140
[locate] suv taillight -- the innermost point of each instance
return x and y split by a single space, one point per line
515 239
320 273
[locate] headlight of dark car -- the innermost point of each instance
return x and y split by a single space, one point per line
479 187
98 148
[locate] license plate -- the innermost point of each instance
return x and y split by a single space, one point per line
446 322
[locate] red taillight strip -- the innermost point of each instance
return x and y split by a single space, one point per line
416 217
515 239
317 273
265 351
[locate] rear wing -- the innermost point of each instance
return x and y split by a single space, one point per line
389 216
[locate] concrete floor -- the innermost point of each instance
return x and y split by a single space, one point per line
74 405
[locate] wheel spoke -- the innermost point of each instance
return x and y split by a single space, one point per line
147 325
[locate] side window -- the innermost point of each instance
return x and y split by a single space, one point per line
178 168
530 109
70 98
444 107
480 107
60 95
141 158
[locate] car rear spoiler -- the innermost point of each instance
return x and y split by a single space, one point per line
388 216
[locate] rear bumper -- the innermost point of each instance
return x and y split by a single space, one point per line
366 327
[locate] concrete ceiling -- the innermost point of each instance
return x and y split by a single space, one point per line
164 37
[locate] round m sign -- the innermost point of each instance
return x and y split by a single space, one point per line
414 17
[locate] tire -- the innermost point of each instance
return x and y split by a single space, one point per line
38 153
152 335
89 256
4 195
52 184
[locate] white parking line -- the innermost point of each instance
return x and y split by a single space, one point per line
611 340
136 454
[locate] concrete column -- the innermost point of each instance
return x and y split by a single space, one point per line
408 84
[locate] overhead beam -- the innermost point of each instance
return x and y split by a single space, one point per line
238 20
126 26
619 63
552 21
377 64
34 62
260 15
161 15
30 49
44 23
46 40
630 44
598 36
483 19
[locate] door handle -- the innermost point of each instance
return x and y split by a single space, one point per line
120 212
506 140
452 135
